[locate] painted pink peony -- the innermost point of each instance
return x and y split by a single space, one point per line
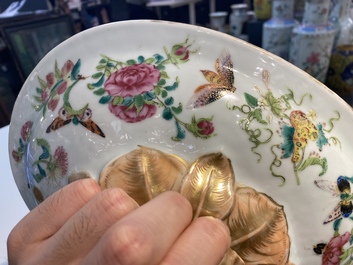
130 114
132 80
26 130
333 250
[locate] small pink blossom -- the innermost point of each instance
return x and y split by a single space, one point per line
130 114
45 95
26 130
16 156
132 80
205 127
333 251
53 103
50 80
66 69
58 167
62 88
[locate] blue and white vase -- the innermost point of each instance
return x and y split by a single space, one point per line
277 31
312 41
340 73
237 19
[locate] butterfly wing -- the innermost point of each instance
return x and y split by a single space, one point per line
336 213
206 95
86 121
60 121
93 127
329 186
224 68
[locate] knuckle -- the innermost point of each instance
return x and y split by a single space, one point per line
178 199
115 202
129 246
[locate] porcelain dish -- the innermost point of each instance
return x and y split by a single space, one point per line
190 91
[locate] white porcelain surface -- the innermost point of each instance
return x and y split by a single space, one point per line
254 121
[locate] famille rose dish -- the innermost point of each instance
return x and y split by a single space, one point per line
151 106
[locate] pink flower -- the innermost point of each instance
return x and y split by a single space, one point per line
26 130
58 167
53 103
180 53
132 80
62 87
130 114
45 95
205 127
50 80
66 69
313 58
333 251
16 156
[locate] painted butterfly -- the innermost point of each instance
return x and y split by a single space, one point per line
220 83
83 118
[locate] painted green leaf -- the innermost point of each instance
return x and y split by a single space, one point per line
150 95
107 72
110 65
97 75
127 101
250 100
314 160
103 61
105 99
99 92
139 101
131 62
178 110
38 177
38 99
100 67
45 154
180 132
164 93
76 70
42 83
258 116
164 74
99 83
118 100
57 70
160 67
172 87
157 90
169 101
274 104
43 143
141 59
158 58
90 86
39 90
167 114
161 82
149 60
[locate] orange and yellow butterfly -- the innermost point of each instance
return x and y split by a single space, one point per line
220 83
83 118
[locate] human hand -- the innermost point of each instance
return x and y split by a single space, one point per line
81 224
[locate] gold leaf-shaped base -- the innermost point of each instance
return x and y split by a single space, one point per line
144 173
209 186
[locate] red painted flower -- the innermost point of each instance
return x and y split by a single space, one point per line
26 130
313 58
132 80
333 250
205 127
131 115
180 53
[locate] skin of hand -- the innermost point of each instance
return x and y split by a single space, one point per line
81 224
